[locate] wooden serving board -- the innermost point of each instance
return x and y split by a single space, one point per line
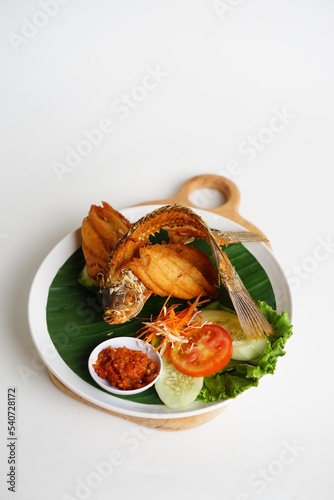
229 210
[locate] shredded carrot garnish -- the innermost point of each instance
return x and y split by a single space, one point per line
172 326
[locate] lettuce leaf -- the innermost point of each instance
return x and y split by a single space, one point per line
239 376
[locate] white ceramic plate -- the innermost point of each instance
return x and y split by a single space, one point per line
38 326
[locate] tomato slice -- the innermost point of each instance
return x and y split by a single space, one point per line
209 349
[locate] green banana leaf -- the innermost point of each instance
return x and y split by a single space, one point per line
75 317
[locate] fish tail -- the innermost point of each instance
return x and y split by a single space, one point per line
252 321
226 238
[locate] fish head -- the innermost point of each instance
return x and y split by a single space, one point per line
123 298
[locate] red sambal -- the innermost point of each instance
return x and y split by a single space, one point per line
125 368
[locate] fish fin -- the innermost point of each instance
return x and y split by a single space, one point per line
225 238
252 321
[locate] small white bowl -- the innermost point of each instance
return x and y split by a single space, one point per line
130 343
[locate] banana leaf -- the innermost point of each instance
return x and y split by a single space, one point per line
75 316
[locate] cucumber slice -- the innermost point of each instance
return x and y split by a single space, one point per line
227 320
86 281
243 350
175 389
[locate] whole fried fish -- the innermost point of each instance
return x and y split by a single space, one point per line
124 293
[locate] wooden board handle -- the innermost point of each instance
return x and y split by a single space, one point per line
225 187
228 190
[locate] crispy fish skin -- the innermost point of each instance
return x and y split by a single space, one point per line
177 270
168 217
100 231
118 277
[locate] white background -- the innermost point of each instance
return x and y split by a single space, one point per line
226 69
